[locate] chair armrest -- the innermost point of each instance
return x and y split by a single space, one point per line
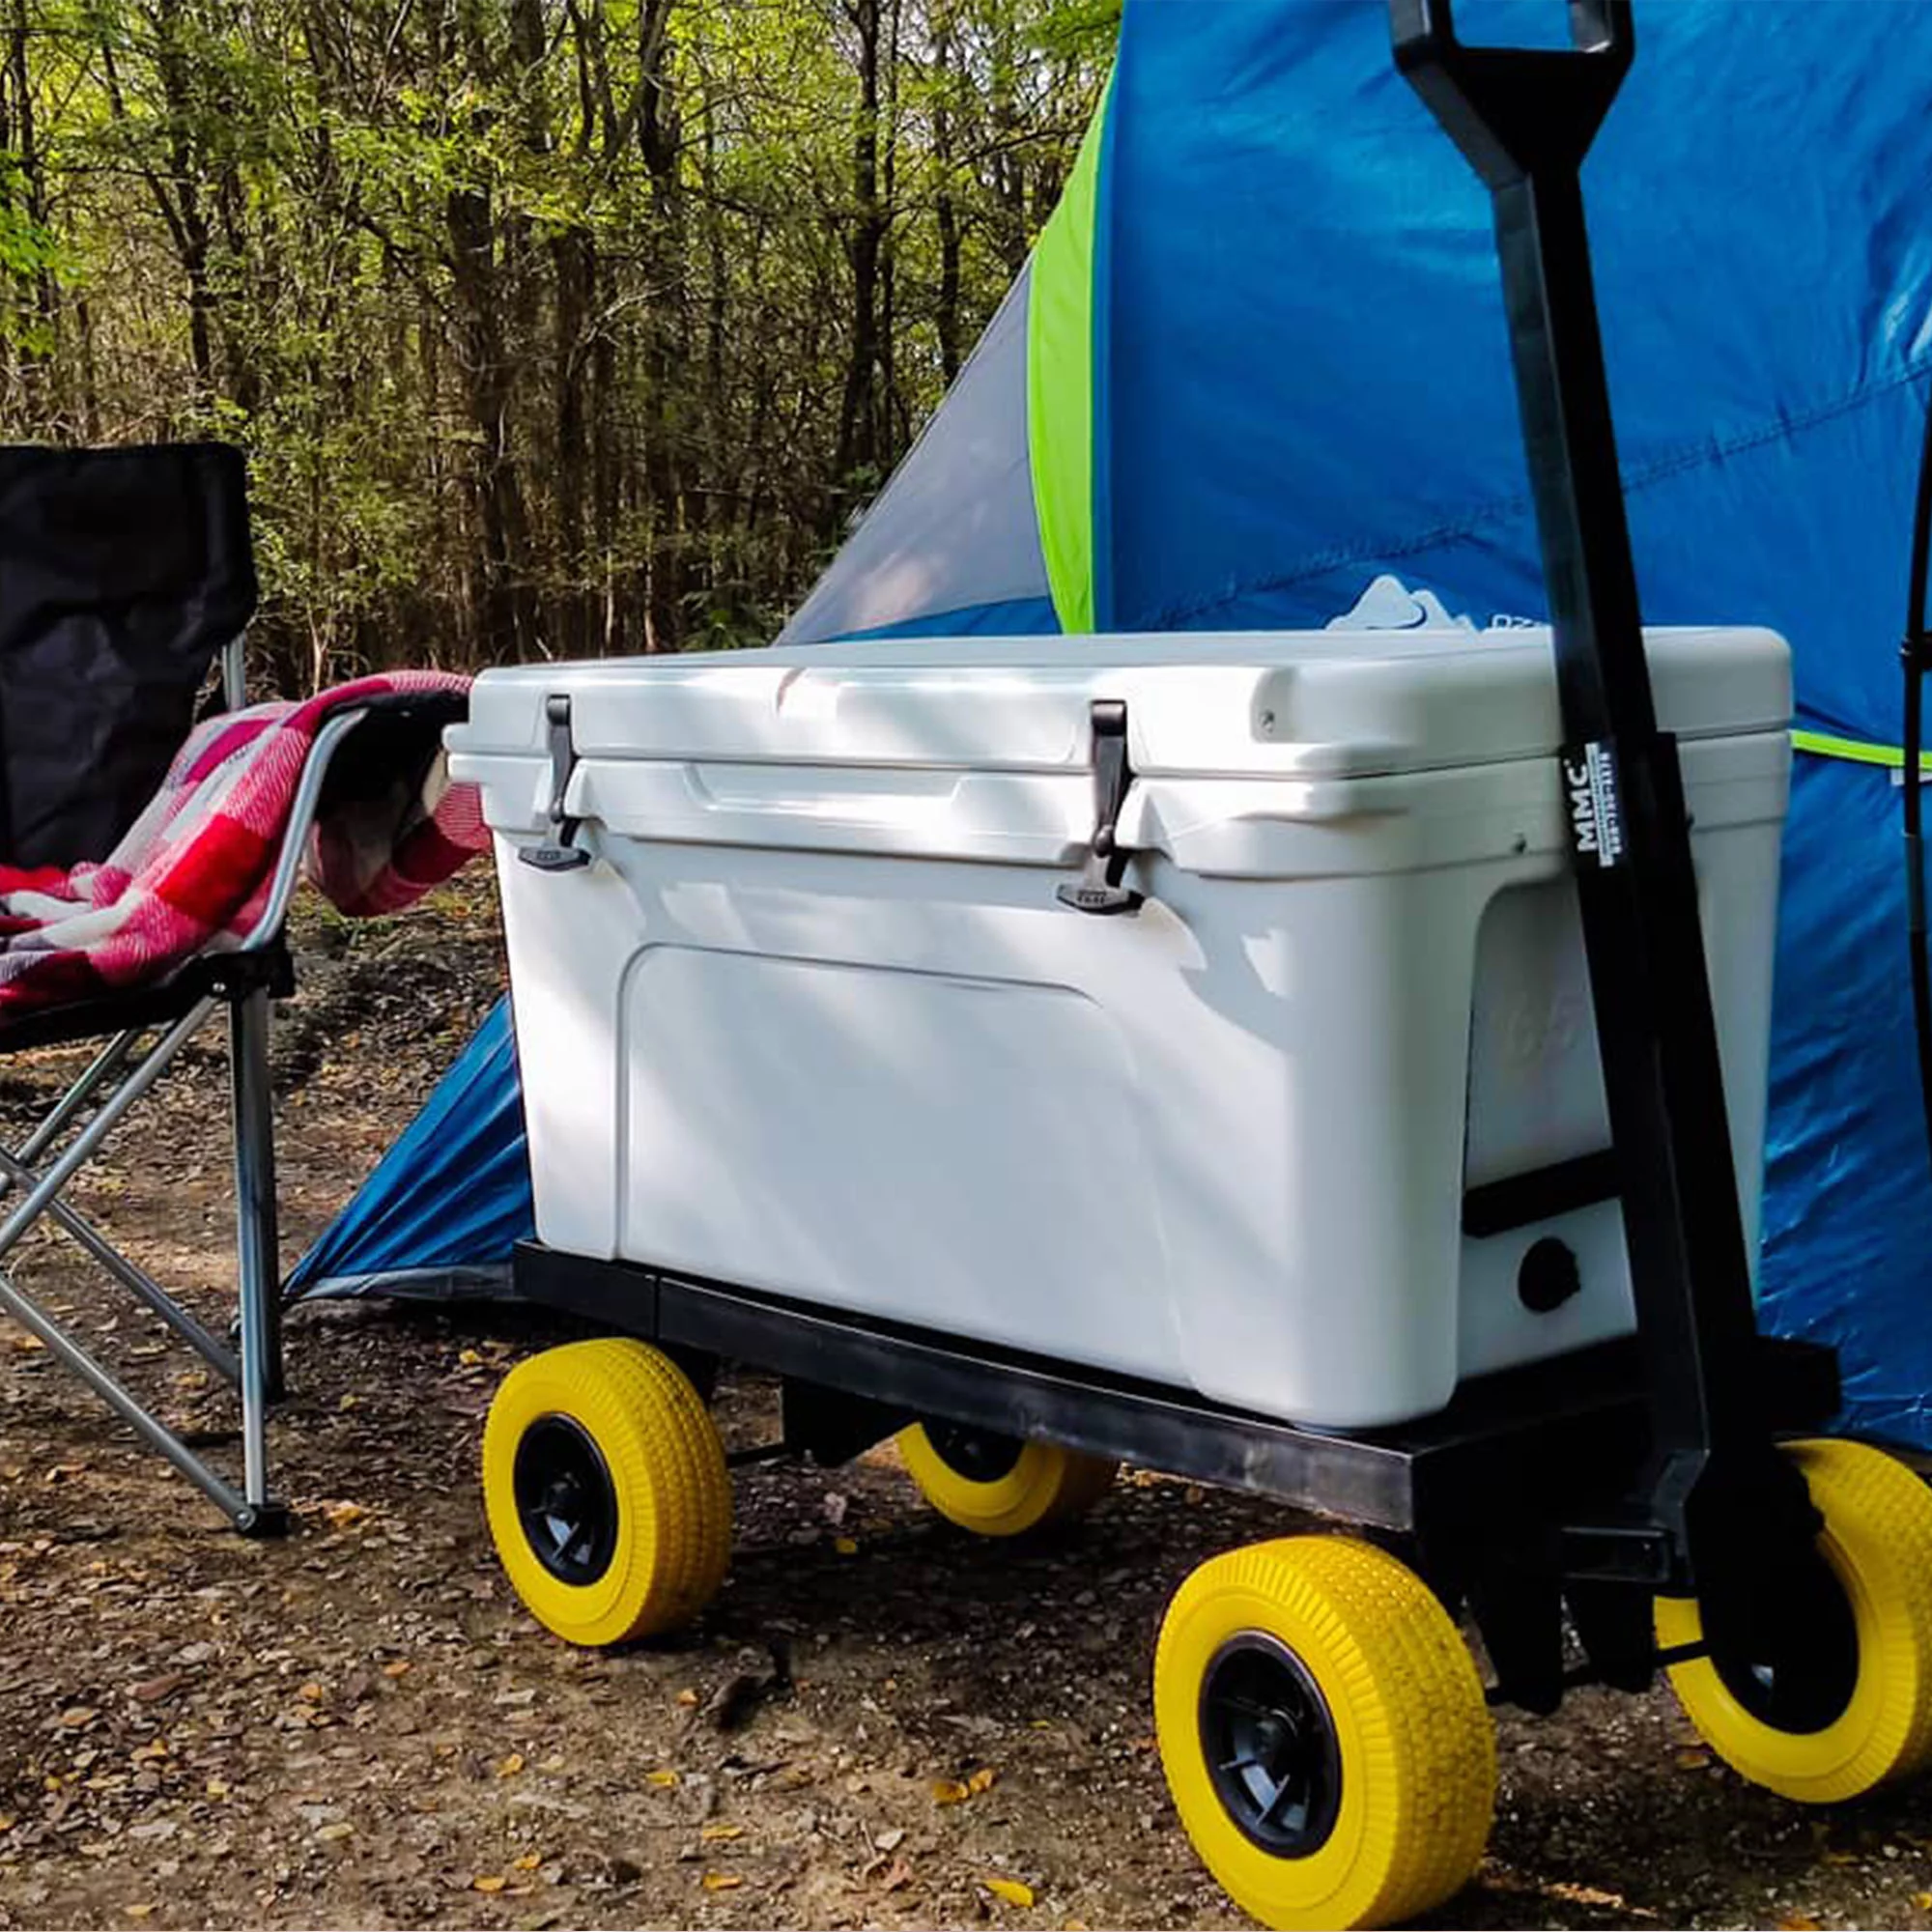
235 672
301 821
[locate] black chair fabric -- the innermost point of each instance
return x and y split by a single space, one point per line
123 573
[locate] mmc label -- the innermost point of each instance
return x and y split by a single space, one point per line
1595 819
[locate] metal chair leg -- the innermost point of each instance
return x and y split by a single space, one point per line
135 1279
39 1193
259 1312
256 1235
48 1184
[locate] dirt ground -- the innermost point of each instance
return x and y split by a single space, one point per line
361 1727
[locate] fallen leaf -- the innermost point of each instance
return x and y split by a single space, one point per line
1797 1922
493 1881
1074 1925
342 1514
890 1841
1922 1900
216 1787
687 1699
718 1834
157 1688
333 1835
138 1911
511 1764
310 1694
27 1344
78 1716
1841 1858
982 1780
845 1546
1585 1895
664 1780
722 1881
470 1359
529 1862
1014 1891
348 1403
399 1668
1693 1760
949 1791
7 1824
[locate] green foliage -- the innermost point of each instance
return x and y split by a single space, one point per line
30 259
551 326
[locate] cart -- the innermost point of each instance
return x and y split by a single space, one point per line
1662 1498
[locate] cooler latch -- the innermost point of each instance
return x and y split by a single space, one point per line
1099 889
559 854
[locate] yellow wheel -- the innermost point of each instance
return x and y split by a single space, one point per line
607 1493
1855 1709
995 1486
1324 1734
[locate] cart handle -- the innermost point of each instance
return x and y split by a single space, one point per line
1516 112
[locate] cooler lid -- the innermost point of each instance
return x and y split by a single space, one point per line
1300 704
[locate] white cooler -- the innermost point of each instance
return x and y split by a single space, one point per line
813 1022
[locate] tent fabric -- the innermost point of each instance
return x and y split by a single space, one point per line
1297 381
444 1206
955 527
1060 384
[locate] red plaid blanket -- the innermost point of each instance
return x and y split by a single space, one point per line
193 875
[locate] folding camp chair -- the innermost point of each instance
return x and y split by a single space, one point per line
125 575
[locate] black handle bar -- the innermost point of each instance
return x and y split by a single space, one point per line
1525 119
1516 112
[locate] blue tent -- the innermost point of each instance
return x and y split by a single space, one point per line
1257 363
447 1203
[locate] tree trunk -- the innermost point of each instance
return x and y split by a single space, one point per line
858 449
36 354
885 433
945 207
189 219
1009 164
658 138
499 584
573 260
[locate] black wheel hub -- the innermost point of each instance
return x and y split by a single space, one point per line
565 1499
1787 1649
977 1454
1269 1740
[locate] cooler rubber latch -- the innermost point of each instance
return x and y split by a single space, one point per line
558 853
1099 889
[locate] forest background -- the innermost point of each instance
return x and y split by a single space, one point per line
552 327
